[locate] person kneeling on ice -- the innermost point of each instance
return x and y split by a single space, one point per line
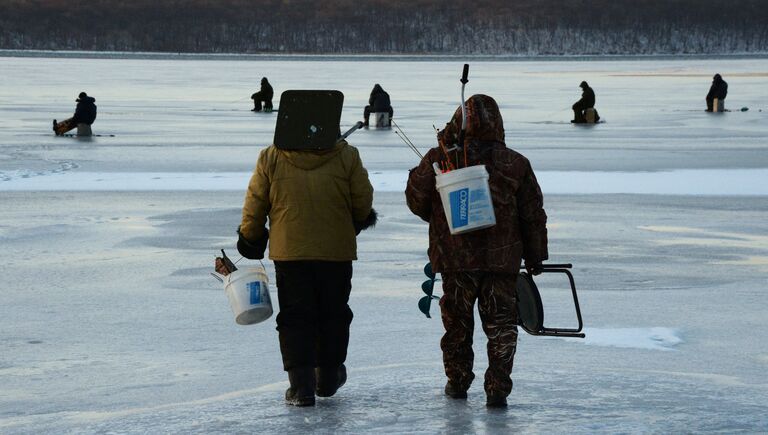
317 201
483 264
265 95
378 102
719 90
580 107
85 113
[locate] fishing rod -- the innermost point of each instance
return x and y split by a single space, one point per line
358 125
401 134
463 81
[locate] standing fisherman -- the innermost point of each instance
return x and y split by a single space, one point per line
317 201
481 265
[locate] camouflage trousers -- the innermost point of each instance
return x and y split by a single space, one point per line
497 303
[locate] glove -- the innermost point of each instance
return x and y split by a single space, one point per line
253 250
369 222
534 269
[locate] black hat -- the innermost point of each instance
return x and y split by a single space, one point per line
82 95
583 85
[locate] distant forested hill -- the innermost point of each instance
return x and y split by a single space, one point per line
495 27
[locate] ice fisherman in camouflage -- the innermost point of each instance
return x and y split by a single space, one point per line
482 265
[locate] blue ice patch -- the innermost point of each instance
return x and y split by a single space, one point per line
254 289
459 200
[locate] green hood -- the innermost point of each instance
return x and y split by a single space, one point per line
312 159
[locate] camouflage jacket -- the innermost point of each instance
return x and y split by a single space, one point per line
520 230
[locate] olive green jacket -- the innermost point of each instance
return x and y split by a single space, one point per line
312 199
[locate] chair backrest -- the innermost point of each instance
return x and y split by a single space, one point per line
308 119
531 310
529 307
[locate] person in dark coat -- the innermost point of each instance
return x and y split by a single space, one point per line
377 102
85 113
264 95
587 101
482 265
719 90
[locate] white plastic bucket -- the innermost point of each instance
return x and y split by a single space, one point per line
248 292
466 199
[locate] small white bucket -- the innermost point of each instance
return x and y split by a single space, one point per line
248 292
466 199
381 119
718 105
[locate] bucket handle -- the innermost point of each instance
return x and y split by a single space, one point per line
221 277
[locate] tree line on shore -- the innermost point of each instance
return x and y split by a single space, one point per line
479 27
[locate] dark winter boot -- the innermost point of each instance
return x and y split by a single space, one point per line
496 400
454 392
329 380
302 390
54 127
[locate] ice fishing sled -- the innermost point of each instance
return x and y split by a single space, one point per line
531 309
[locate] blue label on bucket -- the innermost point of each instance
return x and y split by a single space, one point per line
459 200
254 289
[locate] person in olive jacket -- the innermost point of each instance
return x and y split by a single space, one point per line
85 113
317 201
482 265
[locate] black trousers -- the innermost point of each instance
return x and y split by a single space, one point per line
578 111
314 318
257 99
368 110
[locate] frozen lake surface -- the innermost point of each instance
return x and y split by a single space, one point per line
678 182
111 323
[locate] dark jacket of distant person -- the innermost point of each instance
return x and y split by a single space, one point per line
587 97
265 93
85 112
719 90
379 100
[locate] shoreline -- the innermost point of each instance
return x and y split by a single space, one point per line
79 54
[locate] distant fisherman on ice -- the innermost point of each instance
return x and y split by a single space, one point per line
85 113
264 95
378 102
586 102
719 90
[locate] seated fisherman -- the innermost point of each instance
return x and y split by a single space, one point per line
378 102
719 90
85 113
587 101
265 95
